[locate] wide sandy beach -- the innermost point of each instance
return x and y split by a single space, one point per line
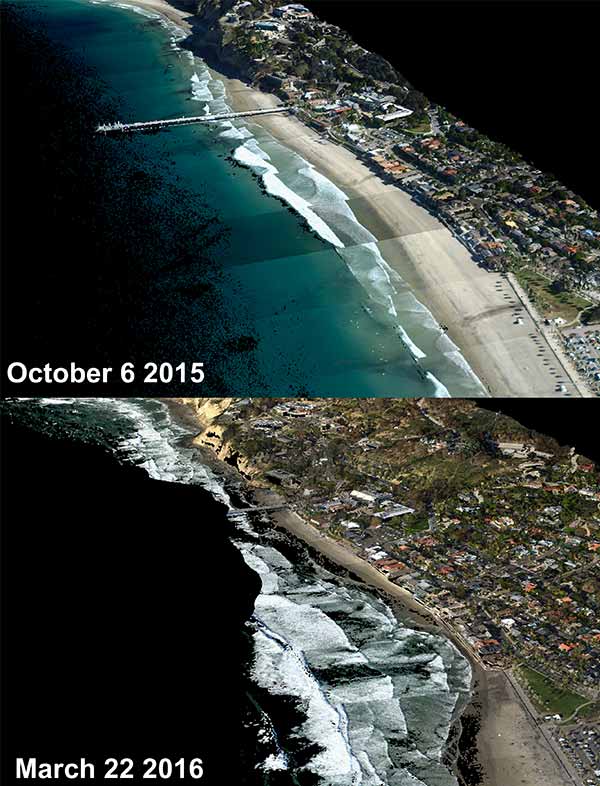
498 333
480 308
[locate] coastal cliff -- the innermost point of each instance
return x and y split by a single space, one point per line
248 40
217 44
214 435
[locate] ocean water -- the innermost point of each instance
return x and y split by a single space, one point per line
330 316
345 692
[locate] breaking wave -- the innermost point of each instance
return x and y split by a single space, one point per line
291 179
200 89
374 699
276 187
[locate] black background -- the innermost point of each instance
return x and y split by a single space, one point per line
522 71
573 423
121 629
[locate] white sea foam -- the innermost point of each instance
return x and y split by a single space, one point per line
50 402
441 391
414 349
275 762
154 445
200 89
325 192
232 132
456 357
336 649
364 260
360 251
269 580
276 187
437 671
324 206
279 668
311 630
177 33
253 146
299 617
370 270
136 10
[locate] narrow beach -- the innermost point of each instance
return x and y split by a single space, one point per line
510 748
504 742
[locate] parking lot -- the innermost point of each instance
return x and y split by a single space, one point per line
583 346
581 744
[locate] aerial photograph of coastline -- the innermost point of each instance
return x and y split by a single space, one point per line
242 184
300 340
406 592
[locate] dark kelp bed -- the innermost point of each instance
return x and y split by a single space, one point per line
106 257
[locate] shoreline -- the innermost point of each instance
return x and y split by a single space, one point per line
167 9
479 307
501 743
504 734
492 730
405 608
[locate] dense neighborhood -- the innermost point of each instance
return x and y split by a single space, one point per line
493 528
510 216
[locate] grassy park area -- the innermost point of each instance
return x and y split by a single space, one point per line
548 697
550 304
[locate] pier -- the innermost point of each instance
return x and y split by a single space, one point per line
150 125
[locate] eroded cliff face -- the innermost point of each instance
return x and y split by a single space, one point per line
207 409
213 435
214 39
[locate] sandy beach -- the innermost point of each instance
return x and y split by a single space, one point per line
479 307
174 11
497 331
510 747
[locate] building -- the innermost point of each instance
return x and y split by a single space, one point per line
363 496
397 113
281 478
391 513
266 25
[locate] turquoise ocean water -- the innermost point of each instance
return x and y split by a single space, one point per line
330 316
